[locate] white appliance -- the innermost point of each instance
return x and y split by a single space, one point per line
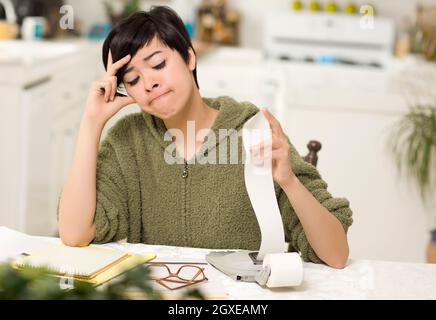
328 38
329 60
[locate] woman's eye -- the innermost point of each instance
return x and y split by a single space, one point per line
160 66
133 82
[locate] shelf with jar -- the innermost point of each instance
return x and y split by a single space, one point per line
217 23
424 34
418 38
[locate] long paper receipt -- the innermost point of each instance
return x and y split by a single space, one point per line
260 186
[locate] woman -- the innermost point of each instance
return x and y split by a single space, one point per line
127 189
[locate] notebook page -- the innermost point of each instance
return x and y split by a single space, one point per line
84 261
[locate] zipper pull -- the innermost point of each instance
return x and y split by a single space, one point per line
185 171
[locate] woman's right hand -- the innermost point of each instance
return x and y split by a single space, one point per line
102 103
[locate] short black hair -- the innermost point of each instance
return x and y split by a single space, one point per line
140 28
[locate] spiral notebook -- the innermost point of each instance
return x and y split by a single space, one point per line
93 264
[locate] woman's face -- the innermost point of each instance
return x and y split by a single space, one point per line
159 80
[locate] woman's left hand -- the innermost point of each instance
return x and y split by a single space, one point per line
281 151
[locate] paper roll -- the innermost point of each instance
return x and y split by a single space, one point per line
286 269
260 187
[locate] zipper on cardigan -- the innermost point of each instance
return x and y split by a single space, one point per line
184 176
185 171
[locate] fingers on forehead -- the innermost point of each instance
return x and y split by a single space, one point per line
113 69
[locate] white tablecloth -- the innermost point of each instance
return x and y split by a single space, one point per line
361 279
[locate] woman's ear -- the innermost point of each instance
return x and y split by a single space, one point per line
192 60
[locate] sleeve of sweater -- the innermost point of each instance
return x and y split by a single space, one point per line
111 213
311 179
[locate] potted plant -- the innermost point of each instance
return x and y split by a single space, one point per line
127 8
31 284
413 144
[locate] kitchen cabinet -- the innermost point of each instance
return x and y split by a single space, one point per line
41 113
25 124
62 143
34 163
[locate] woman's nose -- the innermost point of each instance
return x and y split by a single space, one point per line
152 87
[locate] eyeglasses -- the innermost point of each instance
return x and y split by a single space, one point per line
185 276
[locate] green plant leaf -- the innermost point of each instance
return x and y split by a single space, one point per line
413 145
30 284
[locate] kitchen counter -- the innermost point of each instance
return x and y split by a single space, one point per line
26 62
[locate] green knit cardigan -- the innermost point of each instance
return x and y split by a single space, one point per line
142 198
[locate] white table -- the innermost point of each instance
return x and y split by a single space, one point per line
361 279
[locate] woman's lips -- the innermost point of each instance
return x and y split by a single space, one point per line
159 97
